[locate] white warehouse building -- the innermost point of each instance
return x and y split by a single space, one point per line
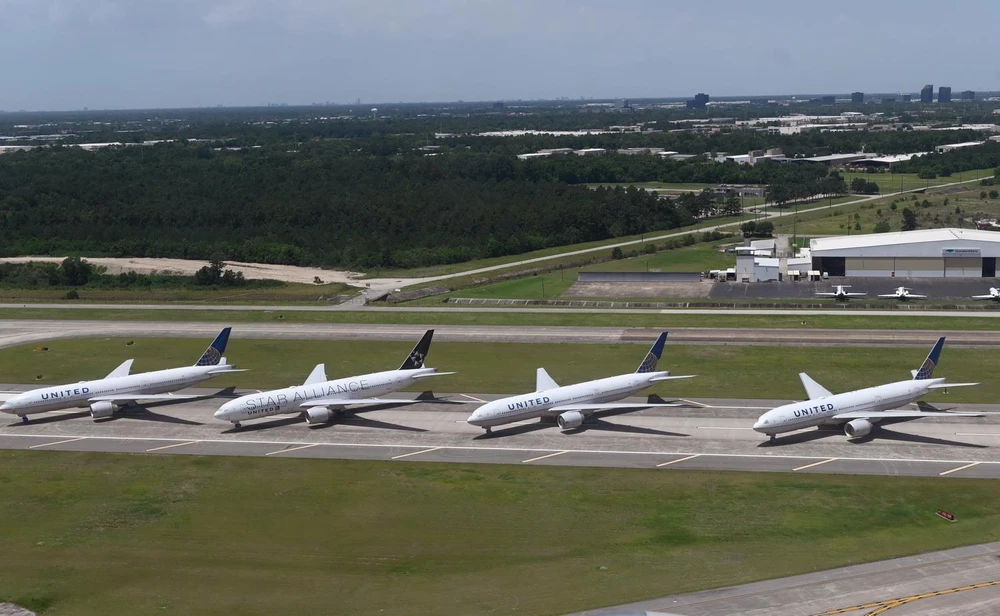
930 253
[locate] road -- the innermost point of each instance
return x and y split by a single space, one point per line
23 332
704 434
961 581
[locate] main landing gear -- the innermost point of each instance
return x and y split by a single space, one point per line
237 425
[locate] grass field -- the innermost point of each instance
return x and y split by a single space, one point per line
288 293
723 371
106 534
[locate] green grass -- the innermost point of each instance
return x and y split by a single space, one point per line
288 293
105 534
723 371
895 182
969 321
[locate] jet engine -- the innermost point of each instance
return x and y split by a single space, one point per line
858 428
318 415
99 410
570 420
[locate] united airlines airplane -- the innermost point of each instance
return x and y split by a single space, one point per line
319 399
859 411
570 405
120 388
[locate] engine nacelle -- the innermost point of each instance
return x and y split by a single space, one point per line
570 420
318 415
858 428
100 410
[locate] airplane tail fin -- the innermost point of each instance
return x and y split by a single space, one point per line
926 369
649 362
213 354
419 353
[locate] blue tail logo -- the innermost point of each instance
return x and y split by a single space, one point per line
649 363
213 354
926 369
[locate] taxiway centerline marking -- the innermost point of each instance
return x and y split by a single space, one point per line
171 446
701 404
558 453
723 428
473 398
69 440
679 460
802 468
976 434
271 453
955 470
414 453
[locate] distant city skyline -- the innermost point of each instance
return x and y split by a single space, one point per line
116 54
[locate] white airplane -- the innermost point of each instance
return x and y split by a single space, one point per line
570 405
858 411
120 389
903 294
319 398
994 295
840 294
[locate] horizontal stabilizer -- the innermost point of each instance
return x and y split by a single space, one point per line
657 379
878 415
122 370
227 370
813 389
417 377
947 385
341 402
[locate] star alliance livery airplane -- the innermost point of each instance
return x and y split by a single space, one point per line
120 389
318 399
570 405
858 411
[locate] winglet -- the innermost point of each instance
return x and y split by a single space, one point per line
649 362
213 354
318 375
543 381
813 389
419 353
122 370
926 369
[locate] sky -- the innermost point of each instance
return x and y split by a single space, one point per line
116 54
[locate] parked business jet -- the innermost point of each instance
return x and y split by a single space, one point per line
570 405
994 295
840 294
858 411
319 398
902 294
120 388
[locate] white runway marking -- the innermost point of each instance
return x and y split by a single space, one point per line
414 453
723 428
474 398
171 446
551 455
272 453
680 460
700 404
69 440
802 468
977 434
960 468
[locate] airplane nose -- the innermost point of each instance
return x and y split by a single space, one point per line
476 419
759 425
6 407
222 412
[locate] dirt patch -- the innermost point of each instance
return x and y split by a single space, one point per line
9 609
639 289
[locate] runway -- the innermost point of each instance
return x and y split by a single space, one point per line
17 332
704 434
962 581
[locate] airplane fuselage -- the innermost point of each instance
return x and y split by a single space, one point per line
539 403
819 411
291 399
78 395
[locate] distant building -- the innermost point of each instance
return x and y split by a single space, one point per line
857 97
498 105
700 101
888 99
944 94
968 95
907 98
927 94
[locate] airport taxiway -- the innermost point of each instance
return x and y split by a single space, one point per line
703 434
16 332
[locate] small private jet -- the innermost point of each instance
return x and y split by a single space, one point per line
994 295
902 294
840 294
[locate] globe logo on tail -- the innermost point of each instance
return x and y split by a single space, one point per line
211 357
648 364
926 369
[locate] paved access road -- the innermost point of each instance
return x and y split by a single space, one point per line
16 332
702 434
961 581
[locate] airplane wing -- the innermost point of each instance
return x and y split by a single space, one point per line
879 415
139 396
430 374
947 385
657 379
893 296
826 294
855 294
607 406
813 389
341 402
983 297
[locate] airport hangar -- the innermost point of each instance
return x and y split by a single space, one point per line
930 253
